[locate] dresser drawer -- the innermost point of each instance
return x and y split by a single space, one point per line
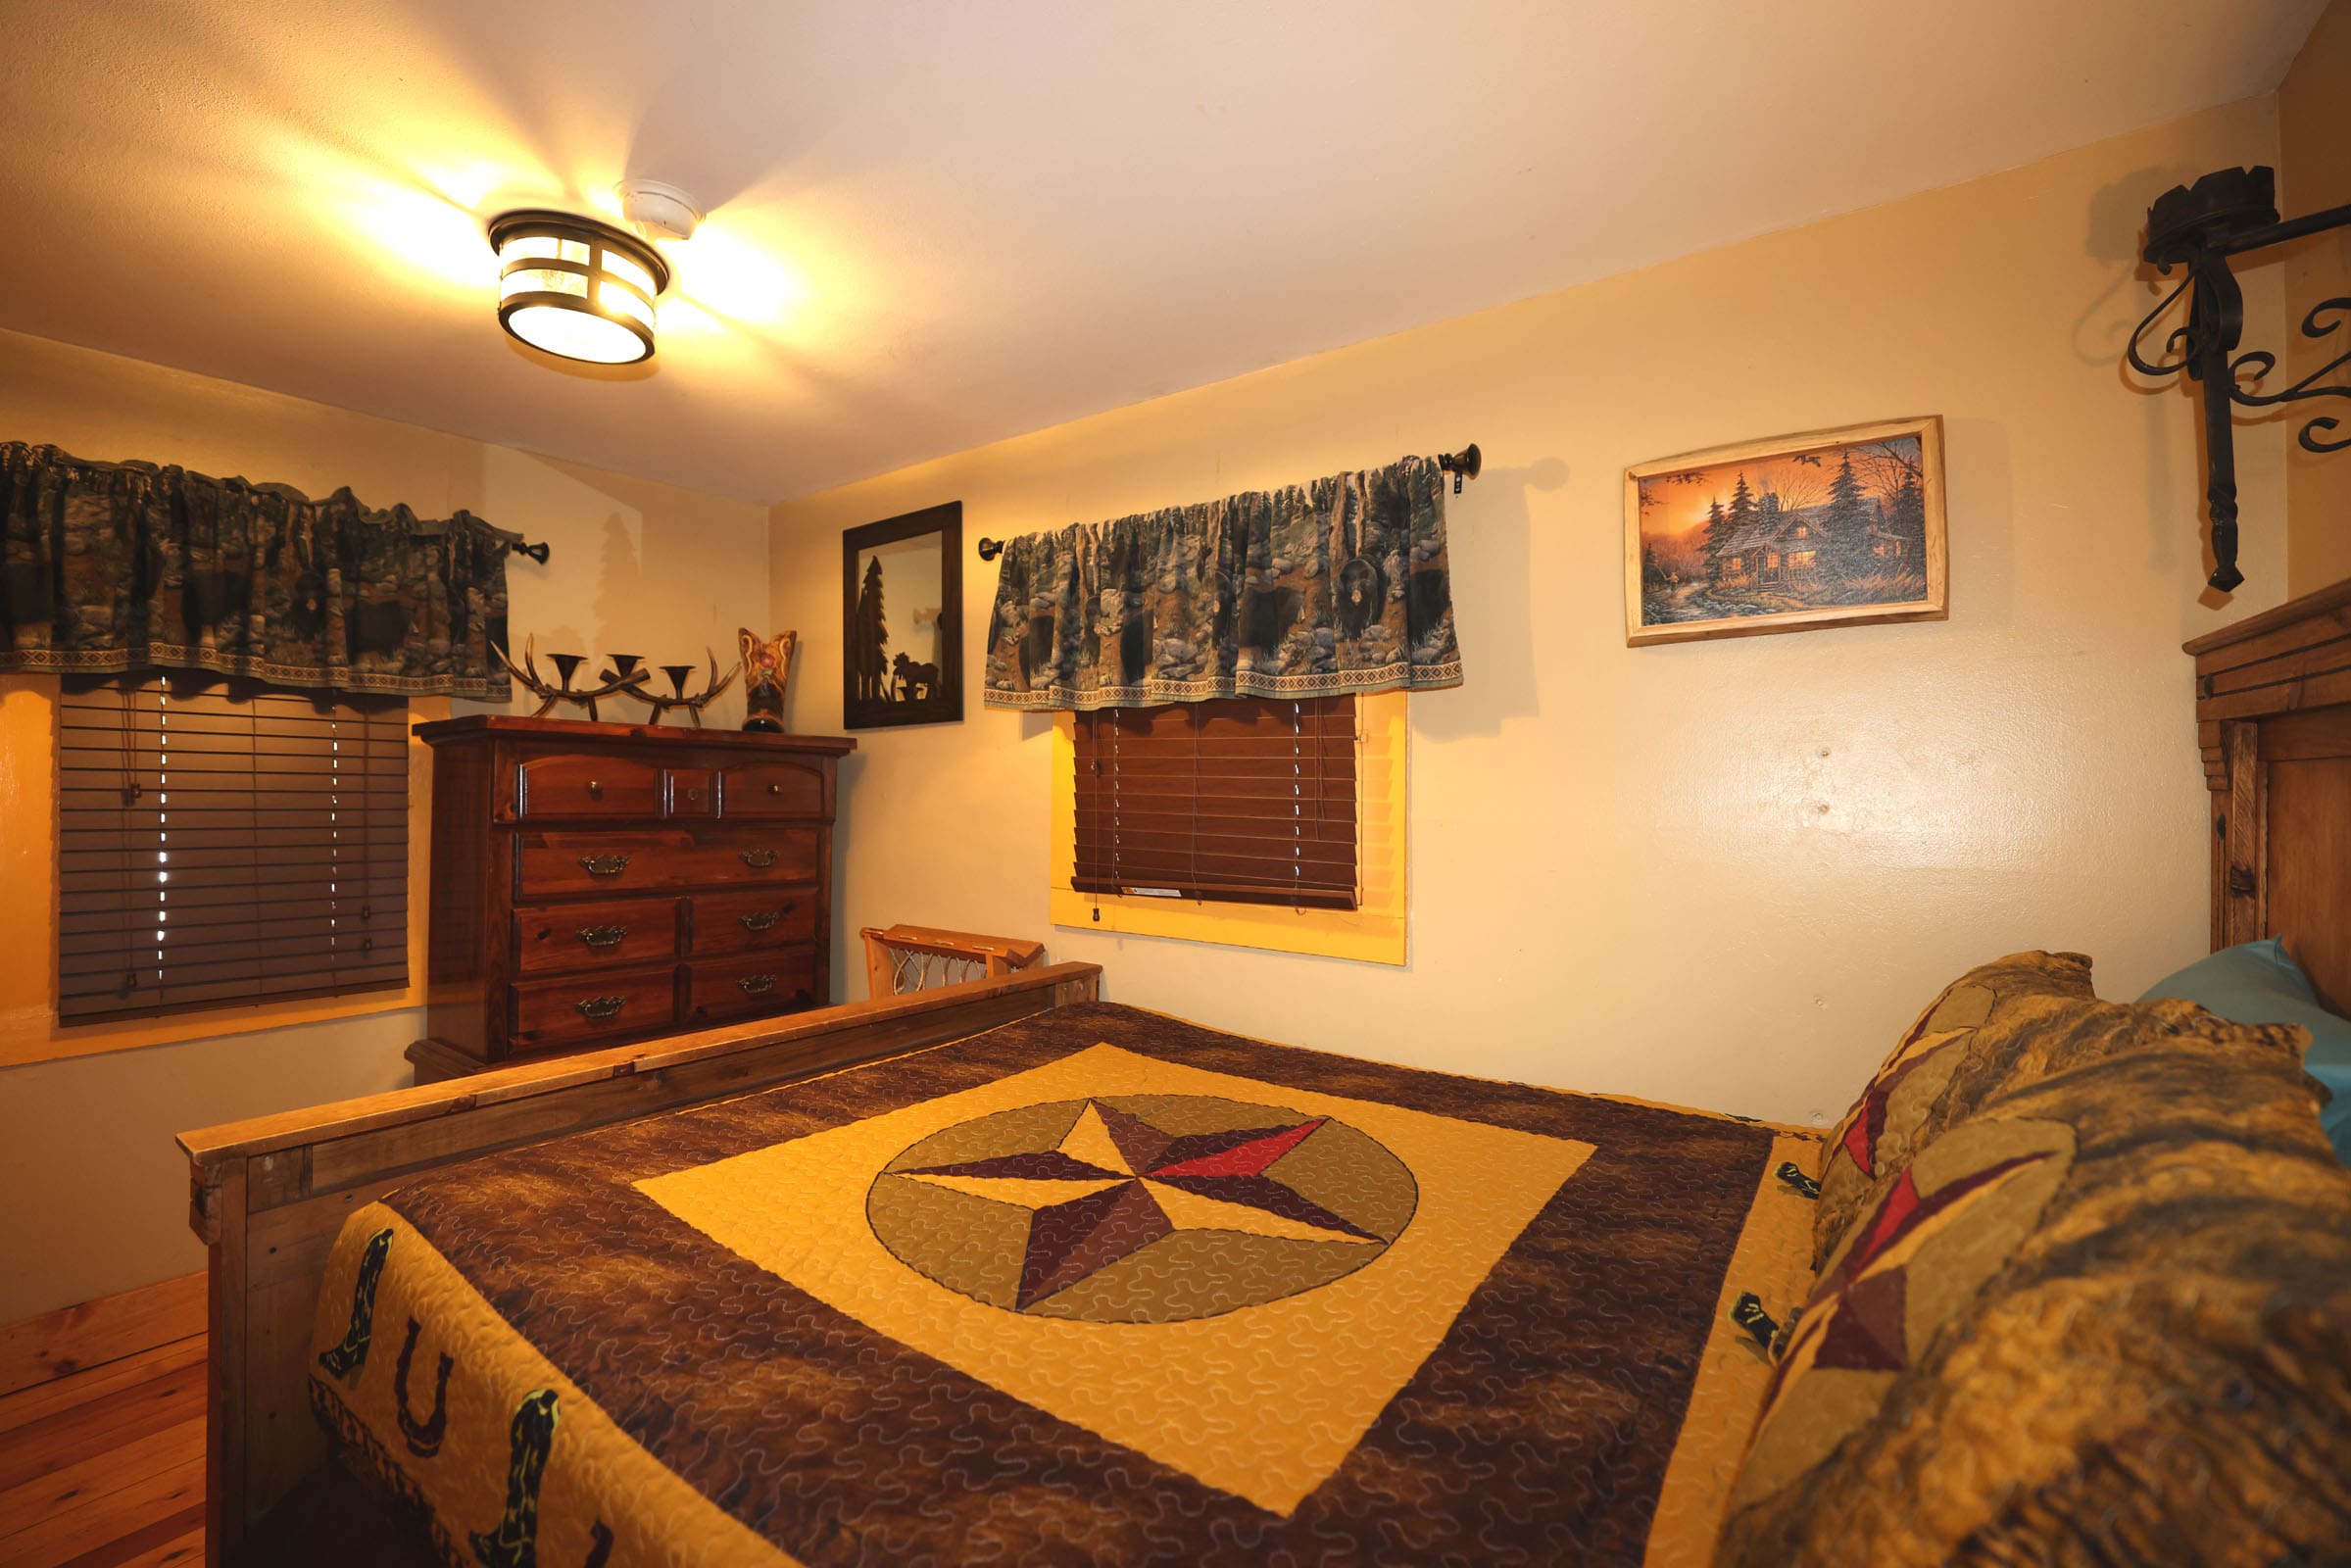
749 986
692 793
583 1007
557 864
744 922
748 791
552 937
587 786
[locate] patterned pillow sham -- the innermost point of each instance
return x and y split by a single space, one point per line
2102 1316
1889 1124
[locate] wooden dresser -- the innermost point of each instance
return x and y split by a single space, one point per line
594 884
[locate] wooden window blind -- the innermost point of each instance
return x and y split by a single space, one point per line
224 845
1246 800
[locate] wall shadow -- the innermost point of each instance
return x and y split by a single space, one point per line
1490 541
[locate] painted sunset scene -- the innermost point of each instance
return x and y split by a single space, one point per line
1822 529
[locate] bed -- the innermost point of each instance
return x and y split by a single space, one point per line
1098 1286
1004 1273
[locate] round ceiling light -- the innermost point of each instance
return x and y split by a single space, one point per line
576 287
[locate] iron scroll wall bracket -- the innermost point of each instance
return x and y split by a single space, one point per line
1466 464
2198 228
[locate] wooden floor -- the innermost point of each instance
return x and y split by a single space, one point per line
104 1468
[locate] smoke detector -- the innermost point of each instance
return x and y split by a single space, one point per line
657 210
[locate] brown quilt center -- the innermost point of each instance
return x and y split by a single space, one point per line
1148 1208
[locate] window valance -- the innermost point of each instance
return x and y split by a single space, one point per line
1315 590
113 567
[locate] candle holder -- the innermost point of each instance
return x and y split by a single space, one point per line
678 673
624 683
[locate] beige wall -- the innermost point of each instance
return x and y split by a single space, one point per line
93 1196
1721 873
2314 134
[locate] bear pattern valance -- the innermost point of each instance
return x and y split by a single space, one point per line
1336 587
110 568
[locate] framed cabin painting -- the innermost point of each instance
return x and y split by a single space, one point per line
901 619
1827 528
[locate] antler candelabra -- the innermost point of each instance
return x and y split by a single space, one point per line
623 679
693 704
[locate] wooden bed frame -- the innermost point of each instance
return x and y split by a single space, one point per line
268 1196
2273 722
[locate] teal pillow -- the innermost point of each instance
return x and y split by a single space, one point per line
2260 983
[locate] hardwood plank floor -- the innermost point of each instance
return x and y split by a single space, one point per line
104 1468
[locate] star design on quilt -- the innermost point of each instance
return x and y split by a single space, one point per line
1114 1185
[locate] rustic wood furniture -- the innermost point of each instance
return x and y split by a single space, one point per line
268 1195
2273 723
921 957
599 883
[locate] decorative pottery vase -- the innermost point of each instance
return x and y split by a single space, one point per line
767 667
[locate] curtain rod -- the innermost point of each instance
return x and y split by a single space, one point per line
1465 464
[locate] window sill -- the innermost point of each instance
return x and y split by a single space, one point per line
32 1034
1365 936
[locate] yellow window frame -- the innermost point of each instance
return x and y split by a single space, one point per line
29 1027
1373 932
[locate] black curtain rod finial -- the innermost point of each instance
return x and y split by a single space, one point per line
1465 464
538 552
989 549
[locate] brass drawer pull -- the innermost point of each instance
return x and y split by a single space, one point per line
596 789
754 984
596 1010
604 936
604 865
760 920
758 859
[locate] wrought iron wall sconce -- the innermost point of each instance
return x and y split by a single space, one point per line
2200 227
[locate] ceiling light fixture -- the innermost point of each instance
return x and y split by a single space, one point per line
657 210
577 287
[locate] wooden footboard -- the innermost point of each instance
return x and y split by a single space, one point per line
268 1196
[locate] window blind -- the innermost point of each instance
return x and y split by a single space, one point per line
1244 799
224 845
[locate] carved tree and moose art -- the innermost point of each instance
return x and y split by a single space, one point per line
901 619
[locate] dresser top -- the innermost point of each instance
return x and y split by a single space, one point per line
486 727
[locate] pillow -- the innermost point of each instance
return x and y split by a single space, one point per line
2259 982
1889 1124
2101 1314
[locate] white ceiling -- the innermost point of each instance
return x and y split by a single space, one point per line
938 224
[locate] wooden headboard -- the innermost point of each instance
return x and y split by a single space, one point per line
2273 721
